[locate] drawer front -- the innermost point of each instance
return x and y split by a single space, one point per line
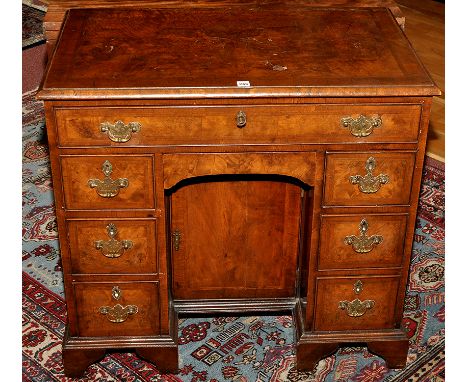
368 178
117 309
219 125
113 246
108 181
356 303
361 241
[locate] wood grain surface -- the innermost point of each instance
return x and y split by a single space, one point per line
90 297
308 51
336 254
78 170
341 166
140 258
262 210
330 291
57 8
178 167
217 125
239 239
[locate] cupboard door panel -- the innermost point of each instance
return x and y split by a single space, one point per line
237 239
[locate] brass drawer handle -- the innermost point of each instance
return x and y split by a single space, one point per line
363 243
241 119
108 188
369 184
356 308
119 131
118 313
361 126
112 248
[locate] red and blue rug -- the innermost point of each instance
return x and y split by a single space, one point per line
241 349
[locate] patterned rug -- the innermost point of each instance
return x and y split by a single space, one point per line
33 32
241 349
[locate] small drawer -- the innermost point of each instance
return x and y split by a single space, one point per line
356 303
262 124
361 241
112 246
117 308
107 181
368 178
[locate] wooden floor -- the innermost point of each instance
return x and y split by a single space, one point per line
425 28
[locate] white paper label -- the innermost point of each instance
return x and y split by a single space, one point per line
243 84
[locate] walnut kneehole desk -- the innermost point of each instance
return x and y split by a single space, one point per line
179 192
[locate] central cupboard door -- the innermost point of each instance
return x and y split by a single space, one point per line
235 237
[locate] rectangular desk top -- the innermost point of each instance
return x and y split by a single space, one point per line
202 53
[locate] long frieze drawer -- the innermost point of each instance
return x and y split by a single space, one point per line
368 178
112 246
356 303
117 308
361 241
237 124
108 181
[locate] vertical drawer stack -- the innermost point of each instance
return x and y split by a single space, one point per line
362 261
111 236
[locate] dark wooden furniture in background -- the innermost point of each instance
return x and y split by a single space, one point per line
57 8
179 191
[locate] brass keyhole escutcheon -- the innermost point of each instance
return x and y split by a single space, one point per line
358 287
116 293
176 238
241 119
